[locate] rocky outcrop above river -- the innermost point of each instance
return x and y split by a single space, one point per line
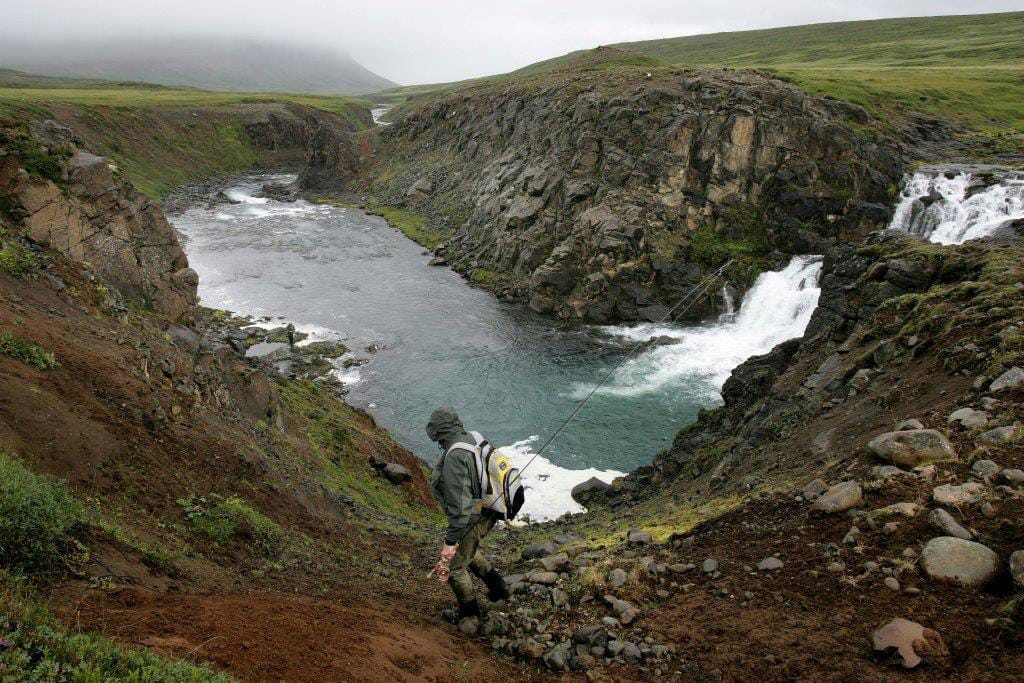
76 203
604 194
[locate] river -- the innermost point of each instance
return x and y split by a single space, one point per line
339 273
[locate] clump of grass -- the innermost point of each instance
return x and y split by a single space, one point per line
16 259
227 520
40 162
27 352
36 647
485 277
37 518
412 224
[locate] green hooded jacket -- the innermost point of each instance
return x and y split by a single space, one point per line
454 480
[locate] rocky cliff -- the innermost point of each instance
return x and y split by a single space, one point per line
604 193
76 203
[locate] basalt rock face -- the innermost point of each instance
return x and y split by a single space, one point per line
94 216
603 196
325 146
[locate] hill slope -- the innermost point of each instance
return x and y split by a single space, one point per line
967 69
222 64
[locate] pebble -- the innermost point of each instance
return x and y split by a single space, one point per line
839 498
983 469
617 577
892 584
769 564
945 522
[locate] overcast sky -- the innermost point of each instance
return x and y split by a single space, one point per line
424 41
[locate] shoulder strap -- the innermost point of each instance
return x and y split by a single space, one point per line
472 448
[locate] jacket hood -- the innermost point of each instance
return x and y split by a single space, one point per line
445 426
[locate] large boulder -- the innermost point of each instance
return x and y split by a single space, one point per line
586 490
397 474
840 498
955 560
539 549
911 448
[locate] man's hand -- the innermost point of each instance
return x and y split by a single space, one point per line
441 570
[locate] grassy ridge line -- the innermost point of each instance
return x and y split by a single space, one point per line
134 125
967 68
135 96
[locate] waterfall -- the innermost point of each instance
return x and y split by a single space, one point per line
778 307
730 305
952 208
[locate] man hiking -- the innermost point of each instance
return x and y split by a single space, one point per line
457 485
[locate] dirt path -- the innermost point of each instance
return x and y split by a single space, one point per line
273 637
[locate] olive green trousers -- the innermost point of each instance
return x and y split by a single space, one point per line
469 558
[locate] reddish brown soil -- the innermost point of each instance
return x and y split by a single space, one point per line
267 637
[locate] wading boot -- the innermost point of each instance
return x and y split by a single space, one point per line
496 587
465 609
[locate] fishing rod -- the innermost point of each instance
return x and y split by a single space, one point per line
702 286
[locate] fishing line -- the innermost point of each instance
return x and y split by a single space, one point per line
702 286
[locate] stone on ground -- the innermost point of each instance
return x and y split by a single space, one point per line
967 563
555 563
769 564
1012 476
911 448
617 578
983 469
814 488
541 549
396 473
947 524
908 425
909 639
964 494
998 436
584 491
638 536
1017 568
840 498
544 578
1011 379
968 418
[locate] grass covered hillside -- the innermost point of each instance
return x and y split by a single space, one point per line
162 137
967 69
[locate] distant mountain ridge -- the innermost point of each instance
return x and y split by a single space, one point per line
208 63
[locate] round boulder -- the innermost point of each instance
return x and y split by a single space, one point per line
958 561
840 498
911 448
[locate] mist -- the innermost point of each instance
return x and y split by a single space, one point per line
420 42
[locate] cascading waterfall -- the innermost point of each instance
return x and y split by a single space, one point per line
951 208
729 314
778 307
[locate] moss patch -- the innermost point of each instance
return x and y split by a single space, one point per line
230 520
27 352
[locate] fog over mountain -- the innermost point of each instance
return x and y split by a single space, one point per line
214 63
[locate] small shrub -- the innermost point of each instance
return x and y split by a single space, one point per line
39 163
37 518
225 520
27 352
16 259
36 647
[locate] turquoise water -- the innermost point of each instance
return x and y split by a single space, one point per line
511 374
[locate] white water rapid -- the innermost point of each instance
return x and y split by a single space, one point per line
778 307
952 208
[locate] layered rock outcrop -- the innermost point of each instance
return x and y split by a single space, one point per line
604 195
93 215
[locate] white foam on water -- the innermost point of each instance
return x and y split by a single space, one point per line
778 307
547 485
946 210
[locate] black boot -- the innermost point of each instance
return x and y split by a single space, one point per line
464 609
469 609
496 588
